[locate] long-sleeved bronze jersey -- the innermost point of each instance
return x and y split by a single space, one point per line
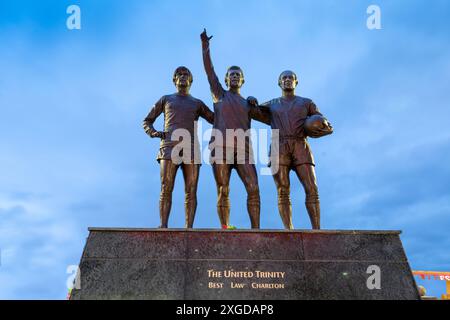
180 112
288 115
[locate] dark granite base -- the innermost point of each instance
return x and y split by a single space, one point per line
180 264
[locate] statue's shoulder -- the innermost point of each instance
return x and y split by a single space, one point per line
169 96
273 102
197 100
304 100
164 98
161 102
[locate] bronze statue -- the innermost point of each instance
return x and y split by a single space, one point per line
181 111
232 112
295 118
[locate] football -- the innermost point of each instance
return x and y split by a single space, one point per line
317 126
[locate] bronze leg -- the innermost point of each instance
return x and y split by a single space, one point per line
307 176
222 174
247 173
190 174
168 173
284 200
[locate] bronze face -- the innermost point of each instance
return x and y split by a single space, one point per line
287 80
234 78
182 78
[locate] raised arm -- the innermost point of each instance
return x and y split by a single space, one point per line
154 113
216 88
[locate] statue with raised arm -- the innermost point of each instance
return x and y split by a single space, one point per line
232 119
296 118
181 112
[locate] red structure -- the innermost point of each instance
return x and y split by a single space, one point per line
436 275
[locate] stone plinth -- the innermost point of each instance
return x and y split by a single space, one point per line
243 264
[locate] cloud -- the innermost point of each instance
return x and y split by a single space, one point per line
36 245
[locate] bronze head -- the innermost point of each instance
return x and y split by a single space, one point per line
182 77
287 80
234 77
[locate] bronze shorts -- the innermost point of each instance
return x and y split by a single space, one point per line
165 153
292 152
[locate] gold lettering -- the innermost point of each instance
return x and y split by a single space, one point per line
237 285
267 285
215 285
270 274
238 274
214 274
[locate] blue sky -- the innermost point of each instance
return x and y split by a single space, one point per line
73 153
